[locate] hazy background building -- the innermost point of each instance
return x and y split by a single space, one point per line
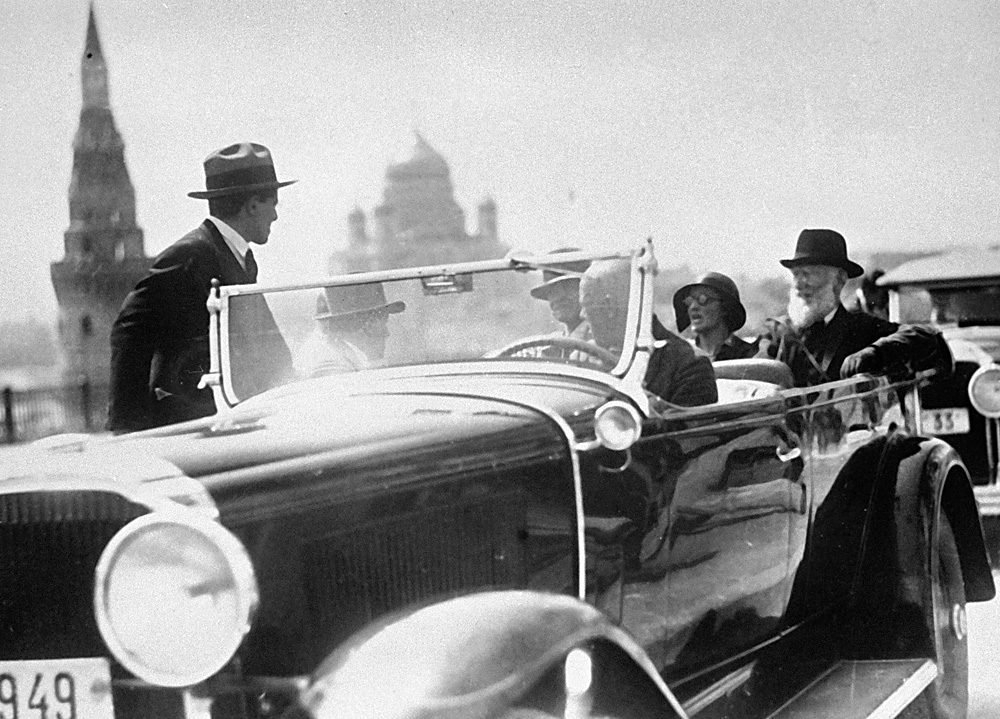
418 221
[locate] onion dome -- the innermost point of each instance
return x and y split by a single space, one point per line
420 160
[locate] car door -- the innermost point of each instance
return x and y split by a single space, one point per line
713 573
845 425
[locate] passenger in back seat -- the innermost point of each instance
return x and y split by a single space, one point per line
711 307
821 341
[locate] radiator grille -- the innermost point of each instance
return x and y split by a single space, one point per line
49 546
357 575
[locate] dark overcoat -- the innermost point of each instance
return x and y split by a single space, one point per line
159 342
677 372
816 353
735 348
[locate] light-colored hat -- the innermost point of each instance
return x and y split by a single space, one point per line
243 167
355 299
552 277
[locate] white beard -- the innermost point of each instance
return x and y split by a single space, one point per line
803 313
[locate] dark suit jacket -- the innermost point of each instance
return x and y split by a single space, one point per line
815 354
736 348
159 343
677 372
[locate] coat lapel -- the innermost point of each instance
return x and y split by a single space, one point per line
231 272
827 343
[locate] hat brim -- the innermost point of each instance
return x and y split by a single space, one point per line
238 190
853 269
542 291
733 311
392 308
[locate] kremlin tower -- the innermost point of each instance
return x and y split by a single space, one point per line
104 254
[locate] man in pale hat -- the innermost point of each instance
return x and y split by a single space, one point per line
159 343
676 372
711 307
352 332
821 341
560 287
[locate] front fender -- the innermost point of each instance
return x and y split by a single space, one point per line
931 479
485 655
920 478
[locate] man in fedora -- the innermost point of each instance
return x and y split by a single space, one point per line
352 332
711 307
560 287
821 341
159 342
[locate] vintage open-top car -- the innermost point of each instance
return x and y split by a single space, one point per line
491 520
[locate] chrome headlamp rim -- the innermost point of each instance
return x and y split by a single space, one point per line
977 377
604 414
240 568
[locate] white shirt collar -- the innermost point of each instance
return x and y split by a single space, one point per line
236 243
829 317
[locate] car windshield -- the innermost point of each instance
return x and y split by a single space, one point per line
488 312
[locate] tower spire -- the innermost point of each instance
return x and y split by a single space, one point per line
104 249
93 70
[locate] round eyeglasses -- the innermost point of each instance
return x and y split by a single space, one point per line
702 299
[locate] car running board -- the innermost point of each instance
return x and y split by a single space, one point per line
870 689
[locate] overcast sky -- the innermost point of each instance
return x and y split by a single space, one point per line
718 128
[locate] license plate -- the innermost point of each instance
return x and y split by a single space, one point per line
951 420
56 689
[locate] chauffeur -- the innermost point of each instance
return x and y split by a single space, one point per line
561 289
159 343
821 341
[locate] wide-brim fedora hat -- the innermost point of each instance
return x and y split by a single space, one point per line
566 272
823 247
733 312
346 300
241 168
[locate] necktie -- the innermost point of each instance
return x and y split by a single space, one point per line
251 266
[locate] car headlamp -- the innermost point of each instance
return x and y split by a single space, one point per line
984 390
617 425
174 596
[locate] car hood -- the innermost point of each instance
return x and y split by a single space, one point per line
370 419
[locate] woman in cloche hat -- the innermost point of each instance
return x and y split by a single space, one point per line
711 307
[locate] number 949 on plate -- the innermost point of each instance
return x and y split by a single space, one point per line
56 689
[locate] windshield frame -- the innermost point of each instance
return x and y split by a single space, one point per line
626 377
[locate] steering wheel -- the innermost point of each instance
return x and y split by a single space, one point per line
566 346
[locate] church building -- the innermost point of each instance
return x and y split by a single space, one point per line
104 254
418 222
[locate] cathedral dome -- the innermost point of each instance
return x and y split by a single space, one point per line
419 160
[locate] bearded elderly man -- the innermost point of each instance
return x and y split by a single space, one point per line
822 341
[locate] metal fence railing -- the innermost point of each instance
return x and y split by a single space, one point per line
30 414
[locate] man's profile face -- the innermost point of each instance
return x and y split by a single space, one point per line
607 323
262 212
564 302
375 331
